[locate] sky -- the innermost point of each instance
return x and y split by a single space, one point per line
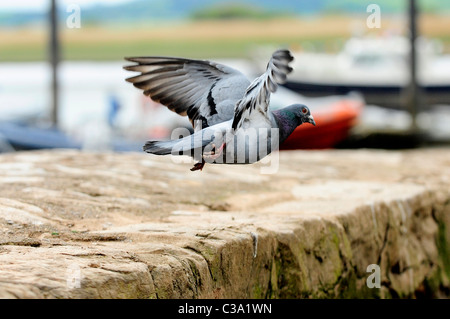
43 5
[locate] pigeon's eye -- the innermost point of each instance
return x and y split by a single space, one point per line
304 110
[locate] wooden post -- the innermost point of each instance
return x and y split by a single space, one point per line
413 89
54 61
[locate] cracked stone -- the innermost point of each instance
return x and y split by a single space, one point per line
104 225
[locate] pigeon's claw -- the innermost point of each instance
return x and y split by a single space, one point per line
215 153
198 166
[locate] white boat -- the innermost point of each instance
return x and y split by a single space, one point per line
377 67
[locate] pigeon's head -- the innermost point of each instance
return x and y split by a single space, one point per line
303 113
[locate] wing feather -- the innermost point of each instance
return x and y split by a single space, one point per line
257 95
186 86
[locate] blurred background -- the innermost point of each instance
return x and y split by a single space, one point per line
374 74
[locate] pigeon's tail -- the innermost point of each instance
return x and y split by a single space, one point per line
159 147
182 146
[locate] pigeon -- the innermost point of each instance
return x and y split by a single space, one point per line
230 115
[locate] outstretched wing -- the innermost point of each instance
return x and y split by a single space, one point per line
257 96
196 88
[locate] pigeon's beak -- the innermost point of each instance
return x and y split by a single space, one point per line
311 120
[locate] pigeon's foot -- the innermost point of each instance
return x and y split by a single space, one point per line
198 166
215 153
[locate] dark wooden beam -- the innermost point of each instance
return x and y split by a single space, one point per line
54 61
413 92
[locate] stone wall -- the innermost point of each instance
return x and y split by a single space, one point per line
104 225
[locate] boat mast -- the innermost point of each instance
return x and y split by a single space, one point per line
54 61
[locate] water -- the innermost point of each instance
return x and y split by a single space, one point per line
89 90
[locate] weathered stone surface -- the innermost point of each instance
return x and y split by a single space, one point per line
101 225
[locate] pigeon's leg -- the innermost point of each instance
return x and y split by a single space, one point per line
198 166
215 153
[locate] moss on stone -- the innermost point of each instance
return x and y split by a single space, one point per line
443 248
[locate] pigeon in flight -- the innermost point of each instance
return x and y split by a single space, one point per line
230 115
